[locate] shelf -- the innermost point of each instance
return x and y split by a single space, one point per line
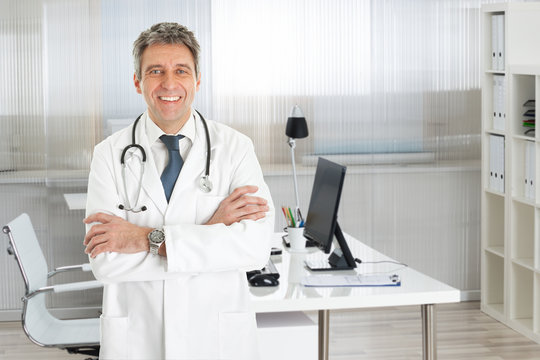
497 72
493 231
521 295
527 263
495 132
523 200
524 137
493 291
496 250
496 311
522 230
511 224
523 90
525 323
494 192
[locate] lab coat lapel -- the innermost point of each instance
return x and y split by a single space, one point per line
151 182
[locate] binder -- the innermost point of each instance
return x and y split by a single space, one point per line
492 154
494 42
496 107
527 175
499 108
500 161
530 171
496 163
500 41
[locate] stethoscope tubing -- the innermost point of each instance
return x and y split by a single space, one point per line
204 184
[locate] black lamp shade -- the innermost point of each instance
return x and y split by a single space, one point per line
296 124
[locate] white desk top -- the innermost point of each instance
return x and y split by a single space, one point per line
416 288
76 201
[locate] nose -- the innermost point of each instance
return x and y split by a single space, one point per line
169 81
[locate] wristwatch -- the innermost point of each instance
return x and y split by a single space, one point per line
156 237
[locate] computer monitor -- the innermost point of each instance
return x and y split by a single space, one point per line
321 222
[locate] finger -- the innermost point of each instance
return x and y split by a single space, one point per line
254 216
94 231
241 191
248 201
252 209
98 250
99 217
95 241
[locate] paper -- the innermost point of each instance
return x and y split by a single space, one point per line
351 280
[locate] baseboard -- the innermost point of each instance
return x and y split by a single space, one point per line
470 295
60 313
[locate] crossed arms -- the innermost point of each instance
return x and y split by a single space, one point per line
114 234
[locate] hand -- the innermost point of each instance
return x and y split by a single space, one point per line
239 206
114 234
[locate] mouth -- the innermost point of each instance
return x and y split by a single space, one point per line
169 98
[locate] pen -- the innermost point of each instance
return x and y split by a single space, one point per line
287 217
299 216
292 218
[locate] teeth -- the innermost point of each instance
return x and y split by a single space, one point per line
167 98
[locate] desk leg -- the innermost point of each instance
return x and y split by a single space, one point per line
324 333
429 341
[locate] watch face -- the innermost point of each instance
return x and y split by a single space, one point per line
157 236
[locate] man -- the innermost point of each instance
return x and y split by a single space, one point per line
173 257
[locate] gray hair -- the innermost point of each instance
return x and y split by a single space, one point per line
165 34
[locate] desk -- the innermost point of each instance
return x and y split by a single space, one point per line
416 289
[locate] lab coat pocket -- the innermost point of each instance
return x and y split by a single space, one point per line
237 336
206 207
114 338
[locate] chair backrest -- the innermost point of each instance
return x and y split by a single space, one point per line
27 252
36 319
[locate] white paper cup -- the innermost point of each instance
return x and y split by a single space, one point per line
296 238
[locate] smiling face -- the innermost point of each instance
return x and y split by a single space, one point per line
168 83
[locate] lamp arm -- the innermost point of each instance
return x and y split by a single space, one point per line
292 144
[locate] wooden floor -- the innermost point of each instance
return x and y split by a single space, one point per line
463 332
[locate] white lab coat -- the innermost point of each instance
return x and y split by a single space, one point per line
193 304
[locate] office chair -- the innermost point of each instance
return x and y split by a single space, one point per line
77 336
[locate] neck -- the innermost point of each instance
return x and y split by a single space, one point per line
171 127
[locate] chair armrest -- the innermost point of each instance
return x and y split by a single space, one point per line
76 286
82 267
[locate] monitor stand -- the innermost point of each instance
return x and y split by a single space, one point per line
340 259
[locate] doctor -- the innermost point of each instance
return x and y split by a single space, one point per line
173 261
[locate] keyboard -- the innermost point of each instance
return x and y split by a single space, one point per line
269 269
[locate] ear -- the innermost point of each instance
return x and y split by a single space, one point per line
198 82
137 83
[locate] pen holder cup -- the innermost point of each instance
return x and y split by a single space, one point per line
296 238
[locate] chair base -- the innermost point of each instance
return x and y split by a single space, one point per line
86 350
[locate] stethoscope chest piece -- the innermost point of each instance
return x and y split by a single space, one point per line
205 184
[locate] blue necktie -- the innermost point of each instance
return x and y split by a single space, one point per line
172 170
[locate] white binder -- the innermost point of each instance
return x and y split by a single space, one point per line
492 154
500 40
494 42
500 161
530 171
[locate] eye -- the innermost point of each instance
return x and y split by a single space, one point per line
155 72
180 71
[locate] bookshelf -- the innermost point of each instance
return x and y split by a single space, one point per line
510 251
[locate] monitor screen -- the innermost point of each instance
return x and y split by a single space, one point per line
324 204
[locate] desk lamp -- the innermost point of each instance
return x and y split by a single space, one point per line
296 129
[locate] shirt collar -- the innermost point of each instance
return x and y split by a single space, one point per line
154 132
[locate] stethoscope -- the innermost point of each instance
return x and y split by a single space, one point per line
205 185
